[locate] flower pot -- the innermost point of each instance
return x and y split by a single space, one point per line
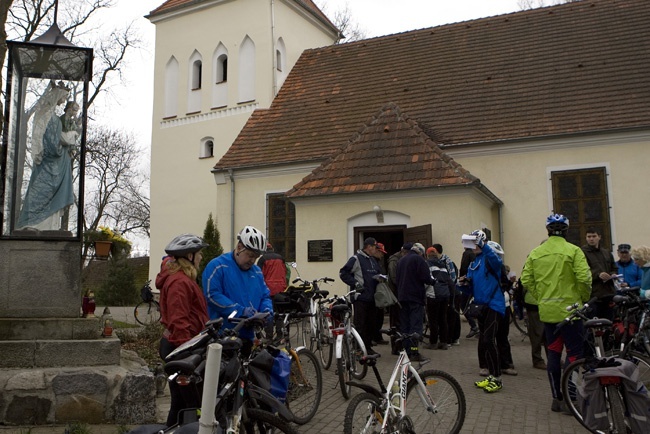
102 249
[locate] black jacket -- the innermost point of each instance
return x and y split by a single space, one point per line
412 274
361 268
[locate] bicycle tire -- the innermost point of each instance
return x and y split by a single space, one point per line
147 312
325 347
343 369
446 394
306 390
616 409
363 414
259 421
357 370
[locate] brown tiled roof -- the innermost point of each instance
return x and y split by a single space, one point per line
170 5
390 153
572 68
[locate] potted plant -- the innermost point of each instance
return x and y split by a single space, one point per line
106 241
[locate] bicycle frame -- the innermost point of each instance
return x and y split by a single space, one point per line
346 331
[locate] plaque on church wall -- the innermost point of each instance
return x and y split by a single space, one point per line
319 251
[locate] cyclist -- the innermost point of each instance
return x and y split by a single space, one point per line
483 281
557 274
182 307
232 282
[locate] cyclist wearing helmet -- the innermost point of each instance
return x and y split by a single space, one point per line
483 281
183 309
556 274
232 282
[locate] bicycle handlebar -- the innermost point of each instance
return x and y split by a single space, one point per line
576 311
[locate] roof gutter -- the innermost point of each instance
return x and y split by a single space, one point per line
232 208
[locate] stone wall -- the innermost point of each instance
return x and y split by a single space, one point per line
122 394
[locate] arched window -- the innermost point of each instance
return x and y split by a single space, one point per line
194 83
171 88
247 70
207 148
280 64
220 77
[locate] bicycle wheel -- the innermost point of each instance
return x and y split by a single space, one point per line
343 369
357 370
305 335
305 387
363 415
520 324
616 409
147 312
445 393
323 341
260 421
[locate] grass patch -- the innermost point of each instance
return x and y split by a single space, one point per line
124 325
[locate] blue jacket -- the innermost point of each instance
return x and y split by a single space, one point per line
485 280
359 269
412 276
631 272
227 288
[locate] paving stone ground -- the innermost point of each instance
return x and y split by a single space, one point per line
522 406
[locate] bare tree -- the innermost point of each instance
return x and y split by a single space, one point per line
115 196
533 4
345 22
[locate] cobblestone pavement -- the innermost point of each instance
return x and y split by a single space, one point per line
522 406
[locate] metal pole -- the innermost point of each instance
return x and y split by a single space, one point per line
210 388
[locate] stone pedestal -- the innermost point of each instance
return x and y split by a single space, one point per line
55 366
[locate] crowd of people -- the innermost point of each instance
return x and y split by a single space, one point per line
430 289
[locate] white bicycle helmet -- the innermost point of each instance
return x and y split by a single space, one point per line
184 244
480 236
252 239
496 247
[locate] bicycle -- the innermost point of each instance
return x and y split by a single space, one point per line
440 408
317 327
148 310
305 378
578 377
348 345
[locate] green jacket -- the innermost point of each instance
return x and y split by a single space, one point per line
557 275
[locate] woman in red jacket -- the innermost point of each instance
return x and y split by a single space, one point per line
183 308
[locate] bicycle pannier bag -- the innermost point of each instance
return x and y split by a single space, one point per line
384 297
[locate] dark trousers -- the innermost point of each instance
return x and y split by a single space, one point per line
570 336
453 318
182 397
393 318
379 324
488 324
365 318
411 321
438 324
536 335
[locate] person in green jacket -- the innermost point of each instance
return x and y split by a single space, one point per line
557 275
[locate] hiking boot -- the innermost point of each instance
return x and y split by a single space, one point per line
481 384
493 385
483 372
559 406
540 365
473 332
509 371
442 346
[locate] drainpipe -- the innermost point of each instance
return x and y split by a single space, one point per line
500 222
232 208
274 85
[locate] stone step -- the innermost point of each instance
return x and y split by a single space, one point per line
59 353
48 328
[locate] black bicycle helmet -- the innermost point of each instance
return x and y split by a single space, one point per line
184 244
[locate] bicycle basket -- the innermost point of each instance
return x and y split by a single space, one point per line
146 293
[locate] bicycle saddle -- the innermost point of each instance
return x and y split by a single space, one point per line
598 323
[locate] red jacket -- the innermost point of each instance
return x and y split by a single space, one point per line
275 272
183 308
